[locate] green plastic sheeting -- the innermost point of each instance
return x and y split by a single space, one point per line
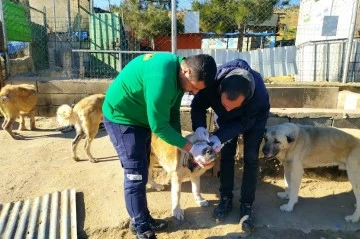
16 22
106 30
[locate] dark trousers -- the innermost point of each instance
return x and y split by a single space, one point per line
132 144
252 140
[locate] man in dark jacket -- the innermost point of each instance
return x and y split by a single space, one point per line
241 103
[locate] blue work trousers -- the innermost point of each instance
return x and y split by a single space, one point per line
252 140
132 144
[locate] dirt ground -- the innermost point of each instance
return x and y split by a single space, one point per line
42 164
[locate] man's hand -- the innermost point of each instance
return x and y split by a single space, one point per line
216 144
202 134
197 152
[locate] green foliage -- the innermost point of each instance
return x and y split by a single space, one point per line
222 16
288 22
147 20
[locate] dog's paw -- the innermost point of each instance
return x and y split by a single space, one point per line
76 158
178 213
17 136
201 202
93 160
283 195
286 207
352 218
157 187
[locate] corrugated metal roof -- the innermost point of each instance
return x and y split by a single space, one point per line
50 216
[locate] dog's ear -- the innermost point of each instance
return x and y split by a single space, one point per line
290 138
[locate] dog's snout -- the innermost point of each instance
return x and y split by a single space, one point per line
266 149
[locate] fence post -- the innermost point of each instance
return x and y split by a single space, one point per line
2 20
350 42
173 27
69 19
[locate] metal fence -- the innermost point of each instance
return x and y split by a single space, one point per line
87 39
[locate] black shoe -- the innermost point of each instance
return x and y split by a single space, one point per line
224 207
248 224
155 225
146 235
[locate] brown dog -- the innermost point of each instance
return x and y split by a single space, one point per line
86 117
15 101
180 165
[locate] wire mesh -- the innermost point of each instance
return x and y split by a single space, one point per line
319 30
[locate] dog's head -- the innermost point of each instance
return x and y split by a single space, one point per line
278 139
208 153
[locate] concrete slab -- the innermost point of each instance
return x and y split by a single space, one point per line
97 86
316 97
348 100
46 110
59 99
44 99
286 98
276 120
319 122
347 123
314 113
62 86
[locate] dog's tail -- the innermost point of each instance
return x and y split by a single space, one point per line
65 115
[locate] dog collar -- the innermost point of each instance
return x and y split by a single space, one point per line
189 162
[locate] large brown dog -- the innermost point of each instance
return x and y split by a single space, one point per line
301 146
15 101
180 165
86 117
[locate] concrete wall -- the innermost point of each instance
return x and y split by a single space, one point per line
53 93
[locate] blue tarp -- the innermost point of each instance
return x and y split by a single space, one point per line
17 46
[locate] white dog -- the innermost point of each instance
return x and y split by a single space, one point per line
180 165
299 146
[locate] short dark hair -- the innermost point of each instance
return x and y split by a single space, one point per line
203 67
234 86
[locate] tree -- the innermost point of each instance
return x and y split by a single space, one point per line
162 4
147 19
222 16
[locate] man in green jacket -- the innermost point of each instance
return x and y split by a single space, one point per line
146 97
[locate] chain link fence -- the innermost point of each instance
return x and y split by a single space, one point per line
78 39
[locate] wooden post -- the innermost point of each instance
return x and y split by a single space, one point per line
2 49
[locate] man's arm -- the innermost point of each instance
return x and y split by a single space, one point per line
232 129
158 97
175 114
199 105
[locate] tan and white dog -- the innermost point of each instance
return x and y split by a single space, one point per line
86 117
300 146
15 101
179 165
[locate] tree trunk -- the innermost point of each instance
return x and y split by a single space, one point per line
153 43
241 38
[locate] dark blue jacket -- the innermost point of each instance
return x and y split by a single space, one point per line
237 121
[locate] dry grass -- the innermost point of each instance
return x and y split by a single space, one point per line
289 78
